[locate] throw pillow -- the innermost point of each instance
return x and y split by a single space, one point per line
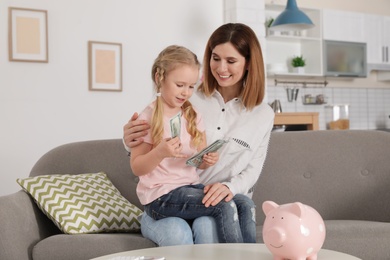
83 203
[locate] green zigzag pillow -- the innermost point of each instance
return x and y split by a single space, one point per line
83 203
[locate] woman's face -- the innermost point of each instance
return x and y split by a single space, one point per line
227 65
178 86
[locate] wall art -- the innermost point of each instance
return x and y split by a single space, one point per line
105 66
28 35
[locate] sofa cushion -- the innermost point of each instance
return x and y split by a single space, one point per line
360 238
82 203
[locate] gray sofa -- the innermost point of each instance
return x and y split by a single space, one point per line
345 175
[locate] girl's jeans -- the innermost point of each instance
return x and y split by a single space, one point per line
186 202
177 231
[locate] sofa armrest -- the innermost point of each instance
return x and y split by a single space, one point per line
22 225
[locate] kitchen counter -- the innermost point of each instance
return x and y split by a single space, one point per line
309 119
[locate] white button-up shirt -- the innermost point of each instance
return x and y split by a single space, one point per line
242 158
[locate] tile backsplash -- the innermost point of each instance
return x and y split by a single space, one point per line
369 108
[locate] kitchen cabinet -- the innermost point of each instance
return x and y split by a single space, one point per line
383 75
332 25
309 119
283 46
386 37
340 25
376 29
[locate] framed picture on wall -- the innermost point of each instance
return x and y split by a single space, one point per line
27 35
105 66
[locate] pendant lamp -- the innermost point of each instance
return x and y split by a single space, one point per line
292 19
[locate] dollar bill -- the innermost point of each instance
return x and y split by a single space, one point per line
197 159
175 123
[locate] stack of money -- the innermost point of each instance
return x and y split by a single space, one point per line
197 159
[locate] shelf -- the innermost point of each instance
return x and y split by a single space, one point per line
291 38
314 103
282 46
280 7
295 75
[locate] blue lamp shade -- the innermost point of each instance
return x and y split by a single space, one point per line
292 19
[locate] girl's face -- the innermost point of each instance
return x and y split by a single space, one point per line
227 65
178 86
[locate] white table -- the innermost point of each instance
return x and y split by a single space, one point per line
216 251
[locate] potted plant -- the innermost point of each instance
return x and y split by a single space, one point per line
298 63
268 24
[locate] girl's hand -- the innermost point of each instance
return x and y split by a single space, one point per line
216 192
170 147
209 159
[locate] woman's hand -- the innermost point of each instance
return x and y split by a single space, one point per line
216 192
134 130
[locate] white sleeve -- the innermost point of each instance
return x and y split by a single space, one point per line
127 148
244 182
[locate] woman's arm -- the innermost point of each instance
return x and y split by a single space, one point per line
134 131
216 192
243 182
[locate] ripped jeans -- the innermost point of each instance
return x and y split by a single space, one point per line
186 202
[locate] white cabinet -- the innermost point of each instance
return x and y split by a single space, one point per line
336 25
343 26
386 39
377 36
281 47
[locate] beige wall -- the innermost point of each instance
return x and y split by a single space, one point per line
46 105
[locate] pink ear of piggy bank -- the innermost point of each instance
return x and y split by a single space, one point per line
293 231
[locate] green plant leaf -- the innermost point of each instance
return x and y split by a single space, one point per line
298 61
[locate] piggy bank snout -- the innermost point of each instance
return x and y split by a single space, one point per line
276 235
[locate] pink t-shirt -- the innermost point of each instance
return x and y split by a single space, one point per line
171 173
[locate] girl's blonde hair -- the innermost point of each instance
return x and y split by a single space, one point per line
169 59
244 39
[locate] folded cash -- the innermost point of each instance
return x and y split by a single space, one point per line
175 123
197 159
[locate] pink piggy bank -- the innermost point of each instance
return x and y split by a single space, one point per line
293 231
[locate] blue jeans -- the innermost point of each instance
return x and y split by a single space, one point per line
247 216
186 202
177 231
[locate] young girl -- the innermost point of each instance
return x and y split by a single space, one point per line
167 186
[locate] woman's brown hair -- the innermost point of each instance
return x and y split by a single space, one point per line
244 39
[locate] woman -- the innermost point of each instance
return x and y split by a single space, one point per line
230 99
166 183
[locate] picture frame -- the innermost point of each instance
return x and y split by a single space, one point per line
28 35
105 66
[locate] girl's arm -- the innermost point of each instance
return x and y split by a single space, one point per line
144 158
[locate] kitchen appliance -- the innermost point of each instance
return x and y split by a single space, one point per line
345 59
276 106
